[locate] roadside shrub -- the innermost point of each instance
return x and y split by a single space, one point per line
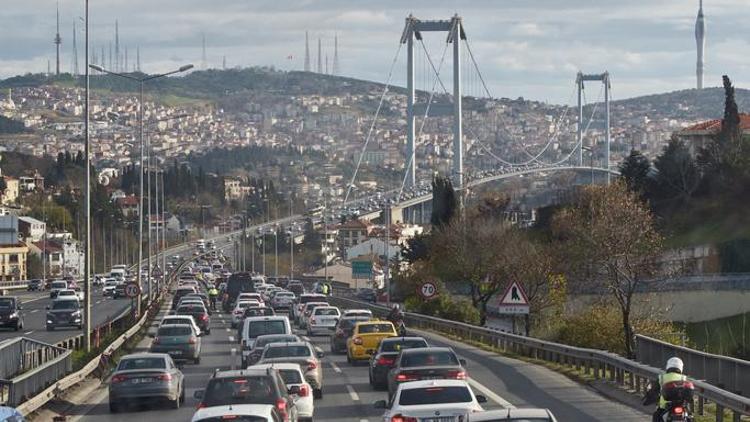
443 306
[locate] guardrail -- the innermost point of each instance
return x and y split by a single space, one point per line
597 363
722 371
21 355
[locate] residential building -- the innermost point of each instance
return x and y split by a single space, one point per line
13 253
699 135
11 191
31 229
128 205
374 246
232 189
353 232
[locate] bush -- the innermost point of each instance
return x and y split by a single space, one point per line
460 310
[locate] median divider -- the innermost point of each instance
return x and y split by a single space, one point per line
600 364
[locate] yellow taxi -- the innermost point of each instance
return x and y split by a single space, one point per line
365 339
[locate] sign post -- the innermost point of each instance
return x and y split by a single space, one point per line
361 270
428 290
511 303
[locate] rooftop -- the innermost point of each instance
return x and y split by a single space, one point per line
714 126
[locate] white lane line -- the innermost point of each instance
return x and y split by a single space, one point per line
490 394
364 420
353 394
23 302
231 338
28 332
34 311
232 353
228 330
335 367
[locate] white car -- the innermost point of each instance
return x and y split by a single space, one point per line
249 296
239 310
447 399
283 299
181 320
541 415
240 412
357 313
109 286
293 377
66 293
323 318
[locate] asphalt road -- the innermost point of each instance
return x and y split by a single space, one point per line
349 397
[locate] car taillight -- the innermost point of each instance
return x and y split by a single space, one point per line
156 340
164 377
192 340
400 418
678 410
204 317
383 361
238 311
312 321
456 375
340 332
311 364
281 407
357 340
201 405
118 378
304 391
406 377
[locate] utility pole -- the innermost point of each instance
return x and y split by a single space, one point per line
87 190
325 239
291 239
386 268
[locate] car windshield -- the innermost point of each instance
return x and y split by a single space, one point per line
67 293
434 395
141 363
398 345
291 376
327 311
239 390
65 304
175 330
6 303
59 285
429 359
375 328
286 352
260 328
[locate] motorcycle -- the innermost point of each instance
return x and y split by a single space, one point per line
679 397
398 322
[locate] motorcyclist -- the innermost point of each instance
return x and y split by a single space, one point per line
325 289
673 373
213 293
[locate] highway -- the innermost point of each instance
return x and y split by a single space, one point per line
348 396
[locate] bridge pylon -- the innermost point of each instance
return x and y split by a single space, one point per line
581 78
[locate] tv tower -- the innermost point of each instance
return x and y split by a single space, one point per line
335 54
75 51
320 58
117 47
700 41
58 41
204 63
307 52
137 58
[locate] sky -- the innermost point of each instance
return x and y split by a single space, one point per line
524 48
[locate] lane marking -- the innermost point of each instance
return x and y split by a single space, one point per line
229 330
232 353
353 394
490 394
335 367
231 338
28 332
34 311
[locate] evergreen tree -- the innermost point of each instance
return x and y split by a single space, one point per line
444 201
676 176
634 170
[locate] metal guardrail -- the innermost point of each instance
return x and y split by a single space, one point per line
597 363
722 371
27 366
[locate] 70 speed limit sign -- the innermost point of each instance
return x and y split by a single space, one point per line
428 290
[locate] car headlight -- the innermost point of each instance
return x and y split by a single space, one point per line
49 321
76 314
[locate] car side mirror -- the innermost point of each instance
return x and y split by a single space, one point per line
380 404
20 307
294 390
198 394
481 399
46 307
462 362
320 355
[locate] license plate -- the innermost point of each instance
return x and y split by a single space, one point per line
142 380
175 352
439 419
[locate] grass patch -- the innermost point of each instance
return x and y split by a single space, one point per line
171 100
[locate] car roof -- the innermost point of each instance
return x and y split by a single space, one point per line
395 339
65 299
289 343
279 365
263 410
433 383
511 414
251 371
267 318
144 355
427 350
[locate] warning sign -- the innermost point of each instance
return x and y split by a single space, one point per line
513 301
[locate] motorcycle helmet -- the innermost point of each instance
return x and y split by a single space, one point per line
674 363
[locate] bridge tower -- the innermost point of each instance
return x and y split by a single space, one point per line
413 30
581 78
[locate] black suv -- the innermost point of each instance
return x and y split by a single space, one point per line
10 313
64 313
249 386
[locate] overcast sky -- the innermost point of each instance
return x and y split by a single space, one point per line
529 48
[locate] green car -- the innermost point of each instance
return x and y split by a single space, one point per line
178 341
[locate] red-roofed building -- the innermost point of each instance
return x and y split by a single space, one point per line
699 135
128 205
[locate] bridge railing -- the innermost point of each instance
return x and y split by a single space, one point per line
598 364
27 366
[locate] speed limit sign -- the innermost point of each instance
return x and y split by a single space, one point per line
428 290
132 290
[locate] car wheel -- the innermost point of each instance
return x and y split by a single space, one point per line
113 407
318 394
369 375
197 360
234 325
49 328
182 395
349 358
208 331
176 403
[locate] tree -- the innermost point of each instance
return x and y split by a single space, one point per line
610 238
444 201
416 248
634 170
676 176
3 186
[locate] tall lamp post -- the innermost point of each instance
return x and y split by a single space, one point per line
141 81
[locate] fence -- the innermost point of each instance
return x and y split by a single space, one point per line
27 366
722 371
597 363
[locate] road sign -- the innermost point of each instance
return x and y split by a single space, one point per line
513 301
362 269
428 290
132 290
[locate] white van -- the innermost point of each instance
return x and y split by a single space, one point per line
260 326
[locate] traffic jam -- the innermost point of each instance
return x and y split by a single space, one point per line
277 372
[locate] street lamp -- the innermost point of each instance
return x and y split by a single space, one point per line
141 82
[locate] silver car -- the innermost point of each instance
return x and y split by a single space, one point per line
300 352
146 377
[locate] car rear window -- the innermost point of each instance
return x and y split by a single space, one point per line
240 390
261 342
291 376
327 311
261 328
234 418
398 345
429 359
286 352
375 328
141 363
175 330
190 309
306 299
434 395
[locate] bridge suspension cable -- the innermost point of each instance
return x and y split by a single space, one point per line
374 121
